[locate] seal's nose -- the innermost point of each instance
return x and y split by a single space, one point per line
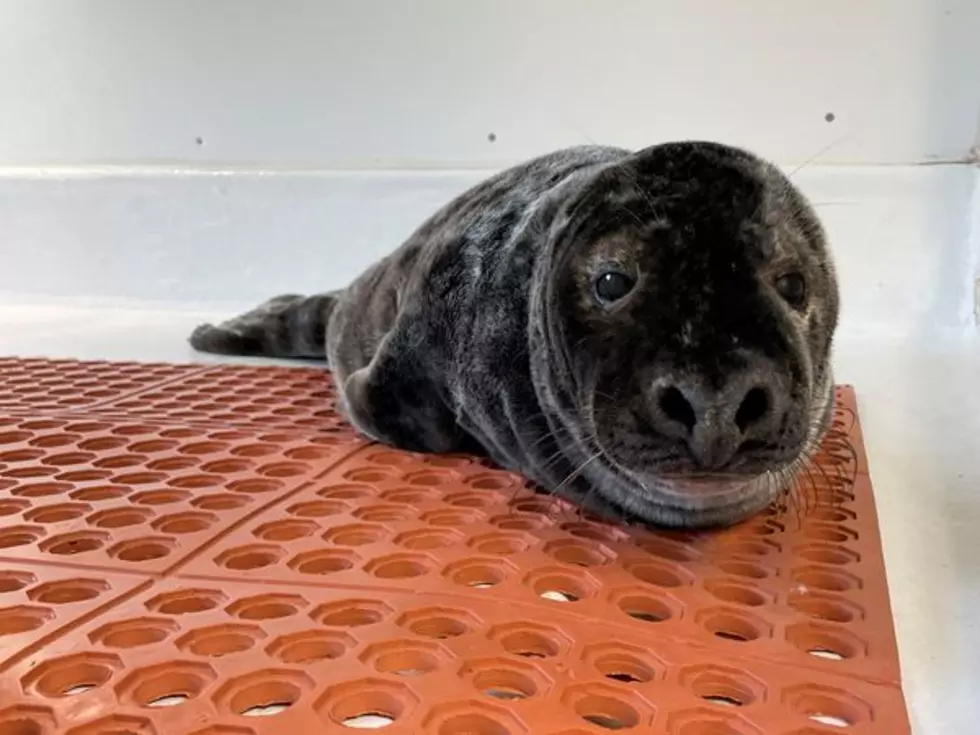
717 423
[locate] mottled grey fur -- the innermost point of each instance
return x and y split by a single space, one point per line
482 332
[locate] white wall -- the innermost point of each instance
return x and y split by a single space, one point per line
183 151
214 150
901 235
348 82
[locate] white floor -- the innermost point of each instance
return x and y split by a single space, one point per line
920 408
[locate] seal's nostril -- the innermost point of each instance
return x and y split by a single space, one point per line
754 407
676 407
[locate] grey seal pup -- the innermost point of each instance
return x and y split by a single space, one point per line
646 334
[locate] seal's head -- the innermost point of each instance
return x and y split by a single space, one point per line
688 312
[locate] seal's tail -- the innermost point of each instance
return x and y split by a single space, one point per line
288 326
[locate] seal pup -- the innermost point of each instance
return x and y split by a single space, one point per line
646 334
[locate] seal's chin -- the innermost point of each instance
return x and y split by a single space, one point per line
720 488
712 494
698 500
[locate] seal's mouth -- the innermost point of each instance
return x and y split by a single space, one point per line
652 476
689 499
703 491
703 485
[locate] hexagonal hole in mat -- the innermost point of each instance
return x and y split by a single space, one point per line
723 686
23 619
285 530
116 725
734 625
264 693
607 708
438 622
57 513
736 593
66 591
473 718
72 675
249 557
478 573
15 536
644 607
267 607
530 640
188 522
352 613
828 707
134 633
166 685
145 549
21 720
220 640
622 662
405 657
310 646
708 721
367 704
423 539
79 542
400 566
323 561
186 601
15 581
557 584
824 642
504 679
826 607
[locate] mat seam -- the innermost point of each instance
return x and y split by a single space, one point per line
140 391
81 620
235 526
152 579
462 598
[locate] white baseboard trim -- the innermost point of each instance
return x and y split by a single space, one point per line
906 238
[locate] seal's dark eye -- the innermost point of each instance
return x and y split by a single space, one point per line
792 287
612 286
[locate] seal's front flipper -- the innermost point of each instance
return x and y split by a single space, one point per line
391 401
287 326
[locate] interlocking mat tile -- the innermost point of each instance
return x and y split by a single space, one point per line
212 551
53 384
241 396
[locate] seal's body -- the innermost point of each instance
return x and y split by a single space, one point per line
647 334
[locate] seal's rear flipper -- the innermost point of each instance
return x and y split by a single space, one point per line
287 326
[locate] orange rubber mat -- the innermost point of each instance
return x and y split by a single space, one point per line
210 550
